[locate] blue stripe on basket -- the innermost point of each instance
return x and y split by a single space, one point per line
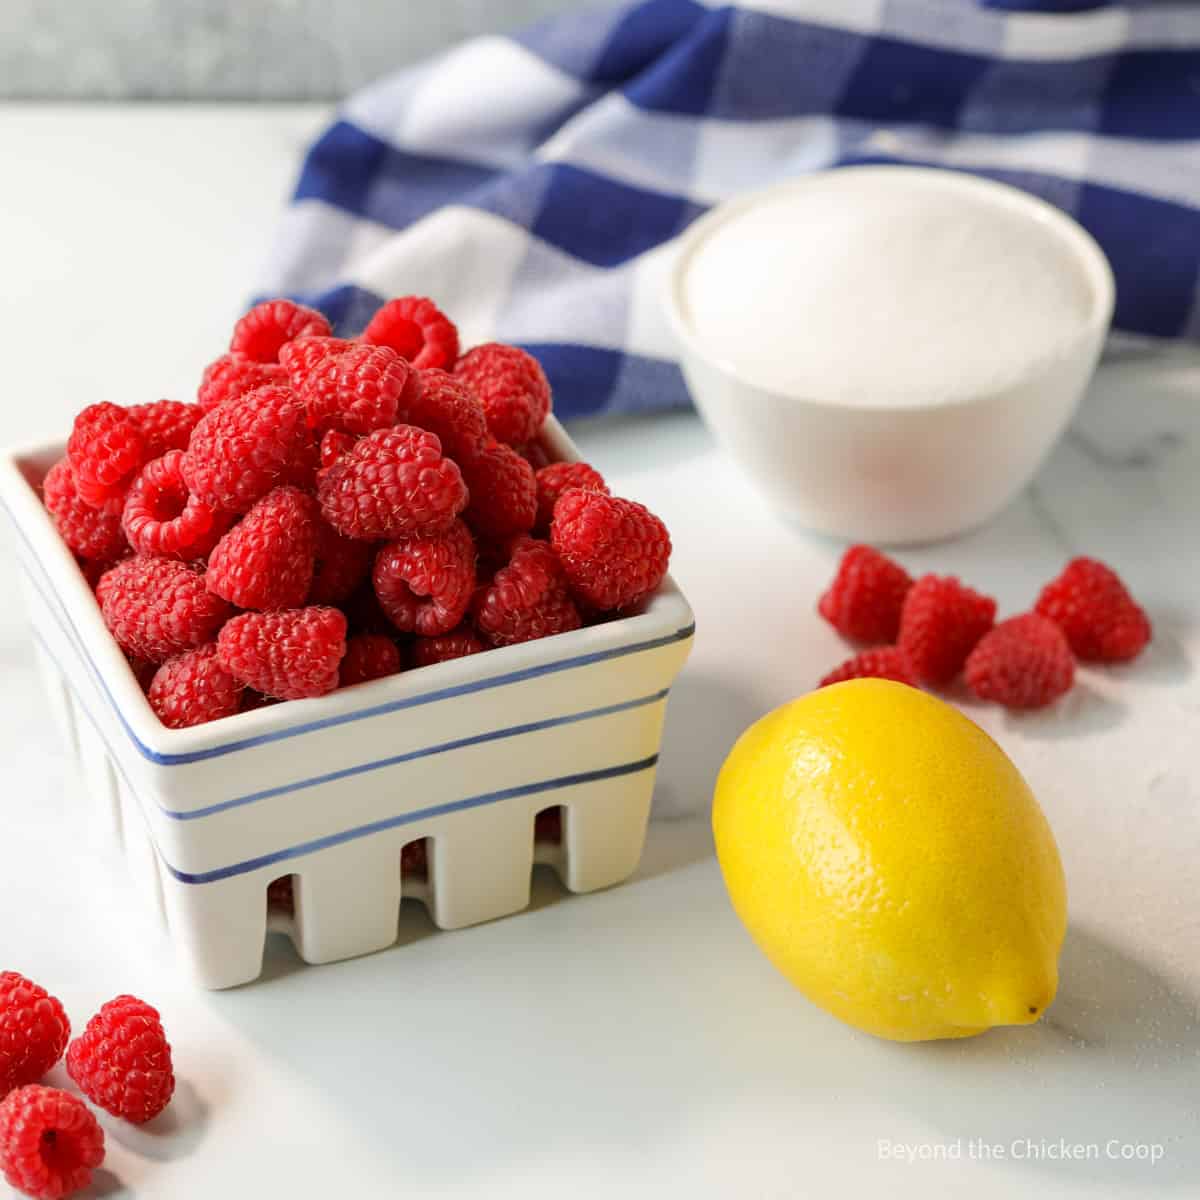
437 810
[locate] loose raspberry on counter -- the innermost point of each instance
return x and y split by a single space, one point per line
341 565
866 596
301 357
1024 662
369 656
940 624
358 390
106 450
446 406
165 425
1093 607
158 607
882 662
528 599
425 583
233 375
503 491
511 386
417 330
161 517
122 1061
292 655
246 447
615 552
266 560
33 1031
193 688
554 479
49 1142
92 533
267 327
458 643
334 444
393 483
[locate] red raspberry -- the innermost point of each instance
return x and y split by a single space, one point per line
33 1031
291 655
301 357
252 700
233 375
865 598
342 564
883 662
248 446
165 425
458 643
267 327
363 611
266 560
49 1142
554 479
334 444
157 607
358 390
446 406
281 895
106 450
414 859
193 688
1025 662
417 330
91 533
615 552
1093 607
503 490
940 624
369 656
163 518
424 584
528 599
511 386
143 671
122 1062
392 483
535 454
548 826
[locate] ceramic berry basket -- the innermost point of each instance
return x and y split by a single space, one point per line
329 791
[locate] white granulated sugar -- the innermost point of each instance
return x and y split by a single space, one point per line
871 293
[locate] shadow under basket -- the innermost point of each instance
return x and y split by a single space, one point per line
461 756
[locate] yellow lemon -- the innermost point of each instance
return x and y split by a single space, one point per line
889 859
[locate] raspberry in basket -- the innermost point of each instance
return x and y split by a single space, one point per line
1025 662
301 357
335 443
446 406
267 327
233 375
511 386
526 600
503 490
554 479
161 517
940 624
33 1031
49 1142
165 425
106 450
425 583
341 565
458 643
358 390
883 662
192 688
369 656
417 330
1093 607
864 600
291 655
92 533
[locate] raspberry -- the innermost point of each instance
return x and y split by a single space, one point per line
444 405
458 643
143 671
106 450
1025 662
1093 607
233 375
163 518
267 559
49 1142
91 533
528 599
165 425
503 490
417 330
865 598
122 1062
883 662
414 859
392 483
357 390
265 329
301 357
193 688
334 444
281 895
369 656
157 607
511 386
424 584
252 700
342 564
615 552
940 623
547 825
554 479
33 1031
364 613
535 454
243 449
291 655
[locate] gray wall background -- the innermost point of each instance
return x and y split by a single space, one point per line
231 49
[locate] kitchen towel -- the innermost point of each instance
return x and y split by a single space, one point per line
532 184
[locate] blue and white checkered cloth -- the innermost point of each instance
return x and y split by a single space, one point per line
532 184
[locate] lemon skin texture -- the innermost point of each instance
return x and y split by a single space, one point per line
888 857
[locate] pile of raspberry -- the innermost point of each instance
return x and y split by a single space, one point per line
330 511
930 630
50 1142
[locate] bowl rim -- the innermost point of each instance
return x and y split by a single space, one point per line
1083 247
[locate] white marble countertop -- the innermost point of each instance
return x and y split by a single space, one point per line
633 1042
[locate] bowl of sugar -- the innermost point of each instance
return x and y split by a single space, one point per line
889 352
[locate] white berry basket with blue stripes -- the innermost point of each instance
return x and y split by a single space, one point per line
329 791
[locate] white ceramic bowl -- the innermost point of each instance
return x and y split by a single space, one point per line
465 753
896 473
